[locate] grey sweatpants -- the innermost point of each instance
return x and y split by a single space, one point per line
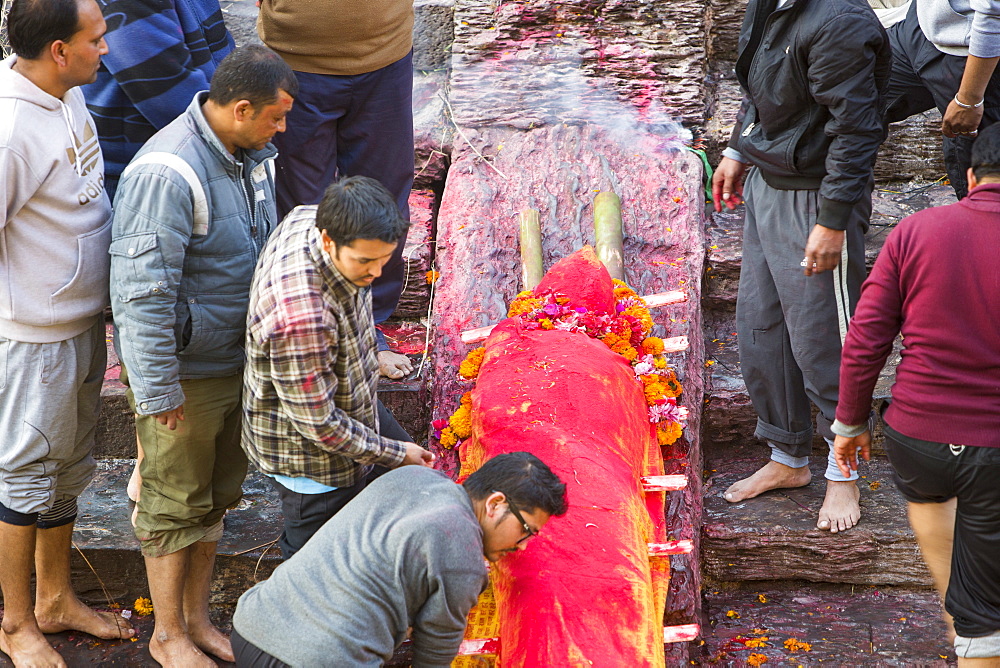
791 326
50 398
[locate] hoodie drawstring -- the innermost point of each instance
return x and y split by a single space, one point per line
68 117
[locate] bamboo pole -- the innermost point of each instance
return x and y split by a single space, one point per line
531 249
608 233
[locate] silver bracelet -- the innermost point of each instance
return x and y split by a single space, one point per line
963 105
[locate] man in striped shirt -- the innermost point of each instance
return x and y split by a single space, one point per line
312 420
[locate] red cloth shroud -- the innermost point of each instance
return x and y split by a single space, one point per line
584 592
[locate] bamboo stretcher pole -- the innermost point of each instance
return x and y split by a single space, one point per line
531 249
608 233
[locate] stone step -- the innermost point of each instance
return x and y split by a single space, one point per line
113 564
407 399
108 570
842 625
774 536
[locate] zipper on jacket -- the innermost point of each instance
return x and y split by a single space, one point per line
250 207
746 133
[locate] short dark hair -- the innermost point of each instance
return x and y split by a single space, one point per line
359 207
34 24
253 73
986 153
524 479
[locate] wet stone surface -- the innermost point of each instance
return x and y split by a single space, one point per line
856 626
774 536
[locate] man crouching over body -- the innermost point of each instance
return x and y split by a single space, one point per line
407 552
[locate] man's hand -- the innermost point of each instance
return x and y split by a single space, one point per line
846 452
961 122
823 249
727 183
393 365
417 456
170 418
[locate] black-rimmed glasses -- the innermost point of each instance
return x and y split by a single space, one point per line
528 531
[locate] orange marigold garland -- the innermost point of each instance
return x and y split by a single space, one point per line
469 368
626 332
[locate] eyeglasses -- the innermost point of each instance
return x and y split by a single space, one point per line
528 531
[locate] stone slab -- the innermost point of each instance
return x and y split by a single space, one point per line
558 169
844 626
433 33
418 255
912 150
527 64
774 536
104 534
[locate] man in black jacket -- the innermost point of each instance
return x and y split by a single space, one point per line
813 73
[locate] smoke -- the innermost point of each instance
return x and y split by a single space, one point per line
555 80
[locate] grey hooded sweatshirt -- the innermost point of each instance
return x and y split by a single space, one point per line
961 27
56 226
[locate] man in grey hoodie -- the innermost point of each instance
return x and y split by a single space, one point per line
55 229
944 55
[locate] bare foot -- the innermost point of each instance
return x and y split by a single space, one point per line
211 640
393 365
840 509
73 615
29 649
177 652
771 476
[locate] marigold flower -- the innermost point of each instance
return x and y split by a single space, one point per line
448 438
143 606
794 645
432 276
756 660
667 433
652 345
545 323
756 642
461 421
469 368
660 362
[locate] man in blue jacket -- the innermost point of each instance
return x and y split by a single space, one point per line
194 209
813 73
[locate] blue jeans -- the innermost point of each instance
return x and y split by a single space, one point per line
351 125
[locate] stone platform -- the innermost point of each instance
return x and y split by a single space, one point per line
873 627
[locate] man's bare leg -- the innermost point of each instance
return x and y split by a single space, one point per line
841 509
57 607
197 588
135 480
772 475
934 526
20 637
171 645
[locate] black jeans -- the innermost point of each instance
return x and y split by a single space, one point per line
928 472
249 655
924 78
305 513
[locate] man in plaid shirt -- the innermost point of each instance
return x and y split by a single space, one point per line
312 420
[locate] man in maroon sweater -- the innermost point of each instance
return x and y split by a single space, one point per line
936 282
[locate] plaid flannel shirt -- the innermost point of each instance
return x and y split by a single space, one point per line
311 372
